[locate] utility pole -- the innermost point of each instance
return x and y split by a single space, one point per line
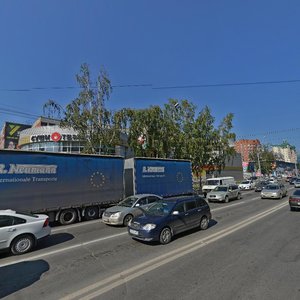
259 167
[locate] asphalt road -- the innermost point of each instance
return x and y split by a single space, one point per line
250 251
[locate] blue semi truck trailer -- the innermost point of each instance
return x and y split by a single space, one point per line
68 187
75 187
164 177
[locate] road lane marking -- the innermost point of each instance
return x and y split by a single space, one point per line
227 206
63 249
107 284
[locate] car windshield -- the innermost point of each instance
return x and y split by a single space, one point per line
160 208
272 187
212 182
221 189
245 182
128 202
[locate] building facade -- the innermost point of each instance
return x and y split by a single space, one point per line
246 147
285 152
46 135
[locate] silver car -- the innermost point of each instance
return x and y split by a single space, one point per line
123 213
19 232
224 193
274 191
297 183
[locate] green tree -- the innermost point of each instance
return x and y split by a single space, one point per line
266 159
87 114
52 109
203 142
223 142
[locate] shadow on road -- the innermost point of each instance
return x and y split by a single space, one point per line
20 275
54 239
47 242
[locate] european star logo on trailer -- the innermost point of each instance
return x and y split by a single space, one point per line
179 177
97 179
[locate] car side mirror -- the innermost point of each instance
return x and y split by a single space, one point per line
175 213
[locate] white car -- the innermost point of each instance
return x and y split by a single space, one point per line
19 232
247 185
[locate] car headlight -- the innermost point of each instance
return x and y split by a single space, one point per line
149 227
116 215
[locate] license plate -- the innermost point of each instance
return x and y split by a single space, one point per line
135 232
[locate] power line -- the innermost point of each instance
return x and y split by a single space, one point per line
226 84
69 87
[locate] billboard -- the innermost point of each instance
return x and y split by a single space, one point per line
12 133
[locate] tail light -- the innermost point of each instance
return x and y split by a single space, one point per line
46 223
294 199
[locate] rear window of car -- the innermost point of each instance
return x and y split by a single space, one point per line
26 214
297 193
190 205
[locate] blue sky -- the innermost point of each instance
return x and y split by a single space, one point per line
162 43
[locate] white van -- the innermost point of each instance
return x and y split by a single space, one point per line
212 183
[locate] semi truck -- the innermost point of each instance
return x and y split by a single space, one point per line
76 187
67 187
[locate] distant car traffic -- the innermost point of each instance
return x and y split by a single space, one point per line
168 217
246 185
19 232
294 200
292 180
274 191
224 193
297 183
124 211
260 186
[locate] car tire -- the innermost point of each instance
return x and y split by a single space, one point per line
165 236
127 219
22 244
238 196
204 223
68 216
226 199
91 213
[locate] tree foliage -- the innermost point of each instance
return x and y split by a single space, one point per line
88 115
174 130
266 159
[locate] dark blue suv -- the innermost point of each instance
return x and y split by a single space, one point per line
164 219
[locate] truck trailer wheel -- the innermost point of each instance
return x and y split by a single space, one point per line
68 216
91 213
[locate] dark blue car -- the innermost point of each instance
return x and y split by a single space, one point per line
170 216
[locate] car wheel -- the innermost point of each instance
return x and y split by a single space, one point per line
165 236
127 220
226 199
22 244
204 223
68 216
238 196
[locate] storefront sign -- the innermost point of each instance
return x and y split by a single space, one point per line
54 137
